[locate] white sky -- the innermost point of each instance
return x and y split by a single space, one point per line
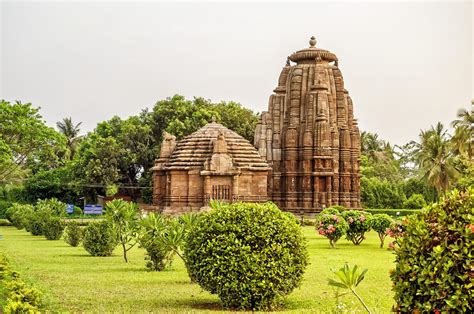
406 65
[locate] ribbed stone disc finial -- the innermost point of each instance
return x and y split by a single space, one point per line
213 119
312 41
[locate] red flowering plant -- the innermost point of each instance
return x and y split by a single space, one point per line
359 224
331 225
396 231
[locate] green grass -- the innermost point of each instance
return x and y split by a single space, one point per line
71 280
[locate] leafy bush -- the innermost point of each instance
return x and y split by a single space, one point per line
380 223
51 207
19 215
21 293
248 254
53 228
332 210
19 307
340 208
331 225
35 223
73 233
77 211
434 258
100 238
359 224
4 205
416 201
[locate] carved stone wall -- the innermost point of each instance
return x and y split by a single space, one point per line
309 136
212 163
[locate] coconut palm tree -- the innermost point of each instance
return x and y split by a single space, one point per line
463 138
434 158
71 132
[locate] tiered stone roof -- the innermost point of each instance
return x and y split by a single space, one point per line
196 148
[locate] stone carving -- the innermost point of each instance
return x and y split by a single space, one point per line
212 163
309 136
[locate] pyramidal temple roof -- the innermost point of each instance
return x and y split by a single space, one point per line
196 148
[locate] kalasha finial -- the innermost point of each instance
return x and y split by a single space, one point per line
312 41
213 119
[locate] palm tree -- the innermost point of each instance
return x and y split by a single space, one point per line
463 138
71 131
434 158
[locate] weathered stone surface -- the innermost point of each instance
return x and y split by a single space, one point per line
309 136
307 151
212 163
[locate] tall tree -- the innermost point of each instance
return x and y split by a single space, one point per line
434 158
463 138
71 132
23 135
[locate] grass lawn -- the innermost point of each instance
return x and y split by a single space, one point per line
72 280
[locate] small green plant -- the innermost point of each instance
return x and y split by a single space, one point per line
331 225
100 238
349 278
158 254
73 234
359 224
53 228
380 223
123 216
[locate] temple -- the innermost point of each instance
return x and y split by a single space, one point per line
213 163
309 136
306 155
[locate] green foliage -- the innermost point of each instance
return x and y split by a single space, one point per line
100 238
416 201
434 258
19 215
380 223
332 225
335 209
46 184
4 205
53 228
349 279
158 254
248 254
377 193
52 207
123 216
394 213
73 233
24 137
359 224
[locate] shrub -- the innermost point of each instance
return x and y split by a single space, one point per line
332 210
21 293
77 211
53 228
4 205
35 224
433 270
73 234
100 238
340 208
395 213
19 215
248 254
20 307
333 226
51 207
359 224
380 223
416 201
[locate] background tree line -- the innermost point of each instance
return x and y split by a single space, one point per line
39 162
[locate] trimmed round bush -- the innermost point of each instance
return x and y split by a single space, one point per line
53 228
332 225
249 254
35 224
100 238
73 233
359 224
415 201
380 223
433 270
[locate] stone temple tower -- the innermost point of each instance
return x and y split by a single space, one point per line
309 136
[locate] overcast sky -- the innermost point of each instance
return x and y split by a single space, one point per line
406 65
